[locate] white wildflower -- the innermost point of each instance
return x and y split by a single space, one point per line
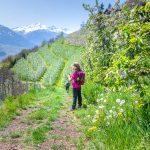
98 100
115 114
135 102
101 107
88 116
107 75
101 99
97 111
122 102
94 120
121 110
111 111
118 100
104 101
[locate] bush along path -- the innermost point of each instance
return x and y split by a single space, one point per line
45 124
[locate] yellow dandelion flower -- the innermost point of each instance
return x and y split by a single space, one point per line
92 129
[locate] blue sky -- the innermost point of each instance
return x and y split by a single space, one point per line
61 13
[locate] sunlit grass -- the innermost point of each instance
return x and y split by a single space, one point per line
48 112
124 130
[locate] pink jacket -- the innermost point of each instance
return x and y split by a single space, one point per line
74 77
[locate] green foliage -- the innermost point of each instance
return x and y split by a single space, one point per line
117 59
118 49
91 92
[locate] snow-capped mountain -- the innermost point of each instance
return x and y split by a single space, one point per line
37 33
39 26
11 42
9 37
14 40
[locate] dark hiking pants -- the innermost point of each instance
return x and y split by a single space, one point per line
67 89
77 96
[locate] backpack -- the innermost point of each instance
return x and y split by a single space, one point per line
81 78
67 84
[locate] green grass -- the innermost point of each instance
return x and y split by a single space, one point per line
11 106
48 112
58 146
126 131
15 135
39 134
38 115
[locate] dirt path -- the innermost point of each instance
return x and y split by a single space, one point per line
11 136
61 137
65 131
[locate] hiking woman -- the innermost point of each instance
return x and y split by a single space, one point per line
77 78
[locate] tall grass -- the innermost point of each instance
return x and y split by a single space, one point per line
113 120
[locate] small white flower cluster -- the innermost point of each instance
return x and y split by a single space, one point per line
90 105
101 100
120 102
101 106
94 119
106 113
110 114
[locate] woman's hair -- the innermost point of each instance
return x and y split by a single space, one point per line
77 65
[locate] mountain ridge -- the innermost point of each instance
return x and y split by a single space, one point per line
38 26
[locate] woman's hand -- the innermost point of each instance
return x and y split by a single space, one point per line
69 77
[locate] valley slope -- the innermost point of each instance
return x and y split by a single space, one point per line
46 65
